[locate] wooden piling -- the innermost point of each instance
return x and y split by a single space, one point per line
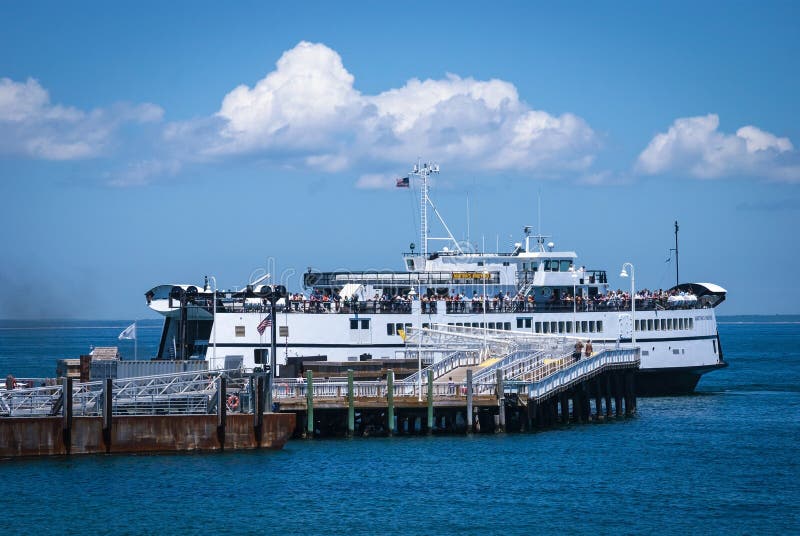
501 402
108 409
351 409
469 401
310 403
564 400
390 401
222 409
430 422
66 408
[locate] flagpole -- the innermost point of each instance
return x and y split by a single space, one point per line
135 343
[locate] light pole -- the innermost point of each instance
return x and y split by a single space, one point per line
623 273
214 320
485 325
574 296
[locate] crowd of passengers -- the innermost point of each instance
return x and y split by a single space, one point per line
458 302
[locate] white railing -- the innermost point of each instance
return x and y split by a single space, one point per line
566 376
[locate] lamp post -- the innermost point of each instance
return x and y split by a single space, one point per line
623 273
574 296
214 320
485 325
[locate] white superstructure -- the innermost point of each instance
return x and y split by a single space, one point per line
350 316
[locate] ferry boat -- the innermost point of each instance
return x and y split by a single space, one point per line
345 316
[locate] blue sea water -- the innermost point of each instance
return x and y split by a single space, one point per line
725 461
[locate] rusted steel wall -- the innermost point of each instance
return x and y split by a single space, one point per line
44 436
157 433
31 436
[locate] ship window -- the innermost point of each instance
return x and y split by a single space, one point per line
507 326
599 325
553 327
353 323
535 266
569 327
480 263
663 324
577 327
425 325
475 325
537 327
565 265
365 323
645 353
506 263
669 323
239 331
390 329
675 351
591 326
691 323
584 326
545 327
656 325
561 327
408 326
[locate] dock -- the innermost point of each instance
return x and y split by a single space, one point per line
164 413
468 380
483 381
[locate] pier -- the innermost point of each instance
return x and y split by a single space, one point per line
165 413
481 381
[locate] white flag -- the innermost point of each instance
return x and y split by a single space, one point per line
129 333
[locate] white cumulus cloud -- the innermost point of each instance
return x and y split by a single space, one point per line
31 126
694 145
307 111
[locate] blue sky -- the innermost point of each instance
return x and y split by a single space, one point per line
155 142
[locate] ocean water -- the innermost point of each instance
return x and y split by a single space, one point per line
725 461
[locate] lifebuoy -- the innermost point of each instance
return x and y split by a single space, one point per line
233 402
547 292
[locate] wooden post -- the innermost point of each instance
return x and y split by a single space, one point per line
469 401
430 402
564 399
108 409
351 408
598 399
222 409
66 408
390 401
617 394
310 403
270 382
501 402
607 383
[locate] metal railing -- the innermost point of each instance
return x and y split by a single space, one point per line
543 382
184 393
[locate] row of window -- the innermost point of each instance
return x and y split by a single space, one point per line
584 326
664 324
490 325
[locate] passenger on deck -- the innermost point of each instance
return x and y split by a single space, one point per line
576 355
588 351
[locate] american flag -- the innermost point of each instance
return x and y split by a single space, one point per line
267 322
403 183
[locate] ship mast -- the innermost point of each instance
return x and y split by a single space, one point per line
677 276
423 171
